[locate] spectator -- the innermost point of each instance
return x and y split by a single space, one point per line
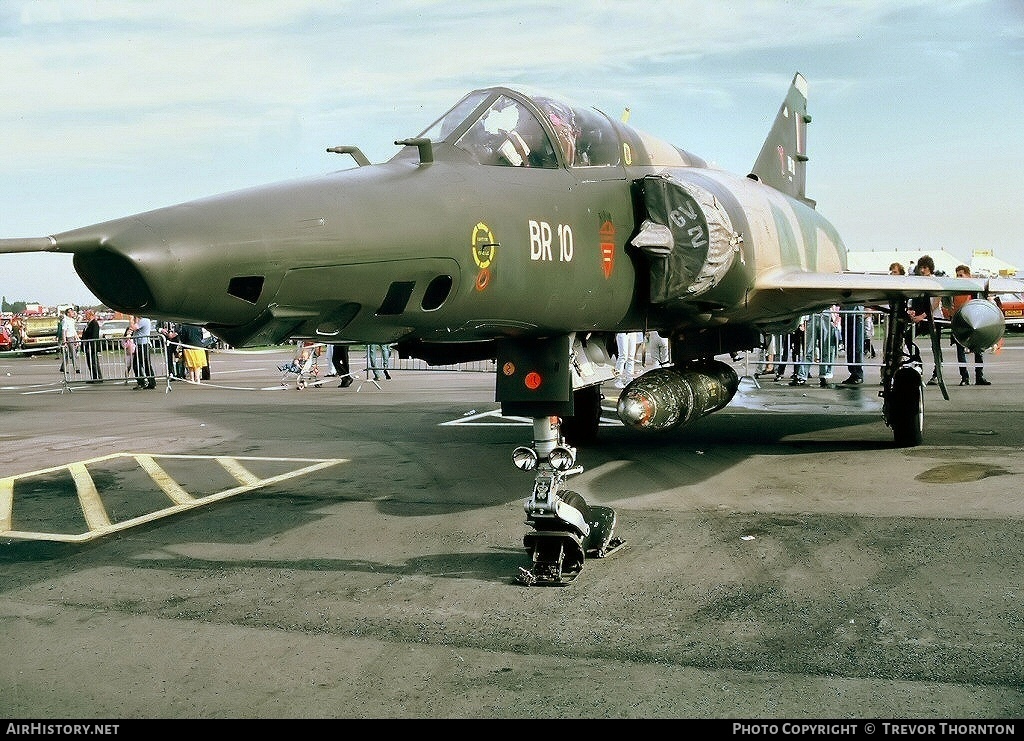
191 337
142 365
799 339
339 361
175 355
769 345
18 332
658 349
869 333
853 340
963 271
921 310
791 347
825 328
625 345
90 345
129 349
67 335
378 358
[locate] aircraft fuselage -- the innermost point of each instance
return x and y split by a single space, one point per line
447 251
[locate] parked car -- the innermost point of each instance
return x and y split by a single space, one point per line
1012 305
41 334
113 329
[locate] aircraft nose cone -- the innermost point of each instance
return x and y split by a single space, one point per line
978 325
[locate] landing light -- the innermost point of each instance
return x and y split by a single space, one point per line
524 458
562 458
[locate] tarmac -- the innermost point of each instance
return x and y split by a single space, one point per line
245 549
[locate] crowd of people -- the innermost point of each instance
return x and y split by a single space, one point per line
305 363
81 348
187 349
819 337
13 334
817 341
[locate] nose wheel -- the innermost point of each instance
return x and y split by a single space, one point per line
557 559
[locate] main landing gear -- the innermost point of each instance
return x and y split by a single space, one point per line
566 529
977 325
902 386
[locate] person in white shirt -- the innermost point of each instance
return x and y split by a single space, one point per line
67 333
145 378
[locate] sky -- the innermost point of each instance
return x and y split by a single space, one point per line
109 108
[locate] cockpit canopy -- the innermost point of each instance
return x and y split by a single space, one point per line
512 128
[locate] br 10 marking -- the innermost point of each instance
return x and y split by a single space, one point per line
541 241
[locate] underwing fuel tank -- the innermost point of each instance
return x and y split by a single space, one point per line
665 398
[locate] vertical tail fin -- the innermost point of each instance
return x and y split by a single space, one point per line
782 163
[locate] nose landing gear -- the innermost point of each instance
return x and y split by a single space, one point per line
566 529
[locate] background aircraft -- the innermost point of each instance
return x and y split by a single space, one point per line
528 229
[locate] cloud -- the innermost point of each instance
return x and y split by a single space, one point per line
114 79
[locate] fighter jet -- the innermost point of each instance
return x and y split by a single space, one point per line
525 228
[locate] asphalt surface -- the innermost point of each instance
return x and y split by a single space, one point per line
351 553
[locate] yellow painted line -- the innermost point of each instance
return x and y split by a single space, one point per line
240 473
164 480
6 502
92 506
96 516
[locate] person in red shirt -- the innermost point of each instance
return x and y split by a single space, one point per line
963 271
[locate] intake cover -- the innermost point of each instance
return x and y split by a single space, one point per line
688 236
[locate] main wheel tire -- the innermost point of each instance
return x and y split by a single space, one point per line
906 408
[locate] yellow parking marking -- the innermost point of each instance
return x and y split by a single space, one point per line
6 502
92 506
236 469
98 521
167 484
